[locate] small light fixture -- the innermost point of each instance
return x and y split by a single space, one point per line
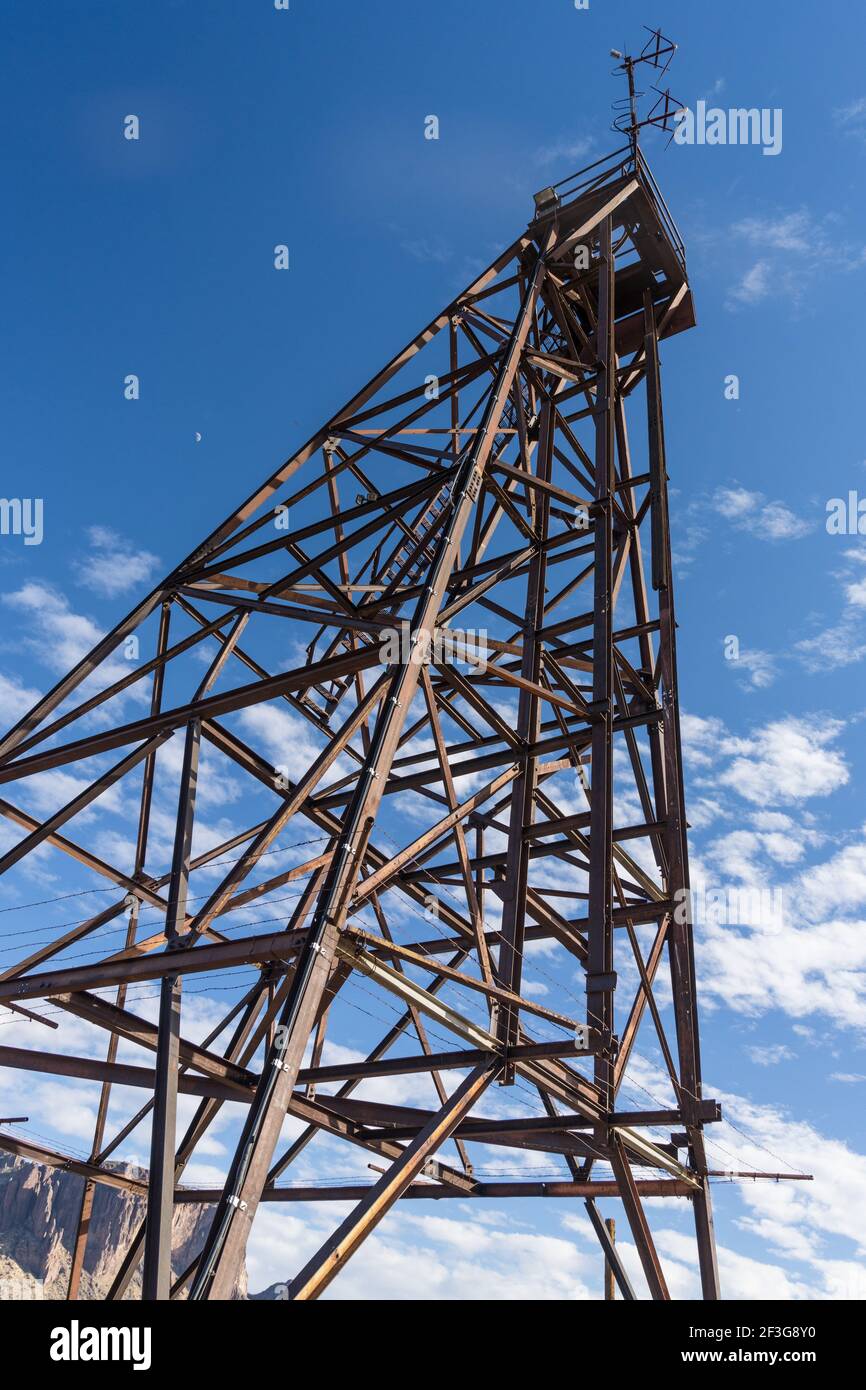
545 201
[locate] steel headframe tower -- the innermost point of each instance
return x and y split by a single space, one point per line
497 791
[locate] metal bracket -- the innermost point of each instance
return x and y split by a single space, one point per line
601 982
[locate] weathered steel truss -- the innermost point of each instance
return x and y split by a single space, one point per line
478 569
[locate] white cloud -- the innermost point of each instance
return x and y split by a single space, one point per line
735 502
289 742
794 248
755 669
423 249
59 637
750 511
565 150
770 1054
801 971
786 761
767 941
837 886
62 636
767 1138
113 565
843 642
753 286
705 739
216 785
703 811
15 700
793 231
456 1253
779 523
851 118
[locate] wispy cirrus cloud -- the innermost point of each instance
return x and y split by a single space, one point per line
851 118
755 669
771 1054
58 636
767 519
791 247
843 641
113 565
752 512
565 151
754 286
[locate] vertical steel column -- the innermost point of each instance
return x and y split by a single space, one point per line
702 1205
609 1280
156 1276
680 936
612 1258
197 1127
525 786
600 979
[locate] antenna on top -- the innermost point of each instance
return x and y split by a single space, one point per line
657 52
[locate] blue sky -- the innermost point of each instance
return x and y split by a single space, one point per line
155 257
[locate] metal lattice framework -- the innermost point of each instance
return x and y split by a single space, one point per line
475 572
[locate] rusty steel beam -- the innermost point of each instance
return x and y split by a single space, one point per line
156 1277
318 1273
433 1191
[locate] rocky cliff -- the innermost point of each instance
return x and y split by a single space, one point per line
38 1219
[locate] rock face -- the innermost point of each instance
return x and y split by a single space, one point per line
39 1209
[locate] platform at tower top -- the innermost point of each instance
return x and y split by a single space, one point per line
650 255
